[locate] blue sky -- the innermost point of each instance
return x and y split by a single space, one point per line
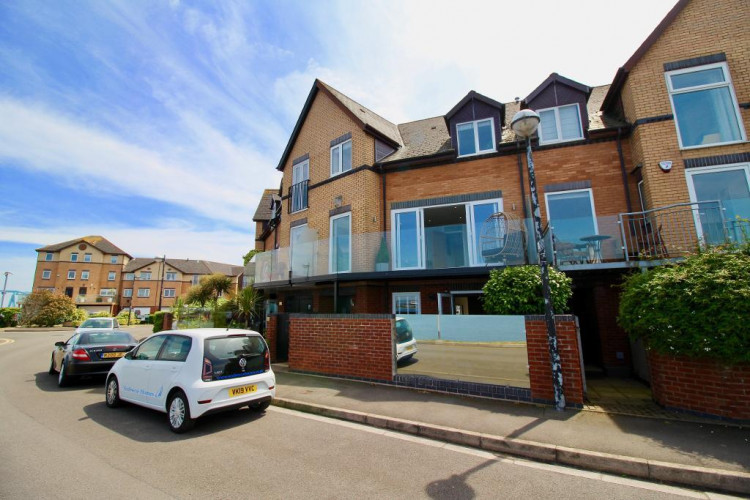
158 124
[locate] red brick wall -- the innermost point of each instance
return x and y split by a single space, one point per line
271 323
540 370
355 345
704 386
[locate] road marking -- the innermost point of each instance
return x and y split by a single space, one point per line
559 469
6 341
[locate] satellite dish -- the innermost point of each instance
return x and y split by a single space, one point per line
501 237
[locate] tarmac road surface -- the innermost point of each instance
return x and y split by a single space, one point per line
67 443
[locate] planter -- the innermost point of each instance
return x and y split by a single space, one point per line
703 386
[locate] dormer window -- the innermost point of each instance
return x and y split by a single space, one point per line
476 137
560 124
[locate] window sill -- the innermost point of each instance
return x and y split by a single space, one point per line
712 145
339 173
564 141
299 211
485 152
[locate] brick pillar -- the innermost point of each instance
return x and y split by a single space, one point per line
271 322
540 370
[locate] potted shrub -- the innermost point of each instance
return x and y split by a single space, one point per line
693 319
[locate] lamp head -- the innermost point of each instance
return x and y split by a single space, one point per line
525 123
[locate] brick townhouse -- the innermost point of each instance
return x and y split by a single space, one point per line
100 277
376 217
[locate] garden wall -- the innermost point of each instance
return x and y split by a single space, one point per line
702 386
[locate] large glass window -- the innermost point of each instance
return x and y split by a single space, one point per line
341 243
705 107
571 215
144 292
406 303
84 275
87 257
144 275
46 274
560 124
298 191
127 292
475 137
440 237
731 186
74 257
48 256
341 158
170 276
71 275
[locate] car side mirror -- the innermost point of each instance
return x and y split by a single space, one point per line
129 355
59 344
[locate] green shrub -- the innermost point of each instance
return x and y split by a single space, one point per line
45 308
518 290
696 308
158 318
101 314
9 316
78 317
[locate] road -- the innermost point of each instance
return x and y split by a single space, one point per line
499 365
67 443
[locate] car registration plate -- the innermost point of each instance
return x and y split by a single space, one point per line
410 348
241 391
113 354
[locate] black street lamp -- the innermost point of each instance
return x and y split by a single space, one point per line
524 124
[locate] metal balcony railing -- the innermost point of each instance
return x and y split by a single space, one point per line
298 196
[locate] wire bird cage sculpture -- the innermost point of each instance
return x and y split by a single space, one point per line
501 238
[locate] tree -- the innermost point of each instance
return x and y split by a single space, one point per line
696 308
47 309
248 256
518 290
246 303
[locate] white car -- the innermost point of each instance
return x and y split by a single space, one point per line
190 373
98 325
406 345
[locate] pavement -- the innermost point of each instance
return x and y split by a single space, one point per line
700 453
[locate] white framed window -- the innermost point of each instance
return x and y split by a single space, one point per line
46 274
111 275
87 257
71 275
127 292
196 279
571 215
107 292
169 292
48 256
705 106
84 275
298 191
74 257
144 292
144 275
476 137
440 236
728 184
340 245
129 276
560 124
341 158
170 276
406 303
113 259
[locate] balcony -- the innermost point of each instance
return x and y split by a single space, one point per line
625 240
298 196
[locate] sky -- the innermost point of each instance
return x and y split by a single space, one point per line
158 123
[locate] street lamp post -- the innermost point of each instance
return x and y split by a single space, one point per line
5 285
524 124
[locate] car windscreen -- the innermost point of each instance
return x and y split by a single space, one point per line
233 356
105 338
403 331
97 323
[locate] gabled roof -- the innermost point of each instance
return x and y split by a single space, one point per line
554 77
264 211
369 121
623 71
99 242
186 266
471 96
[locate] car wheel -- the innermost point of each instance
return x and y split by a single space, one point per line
259 406
178 412
62 378
113 392
52 370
